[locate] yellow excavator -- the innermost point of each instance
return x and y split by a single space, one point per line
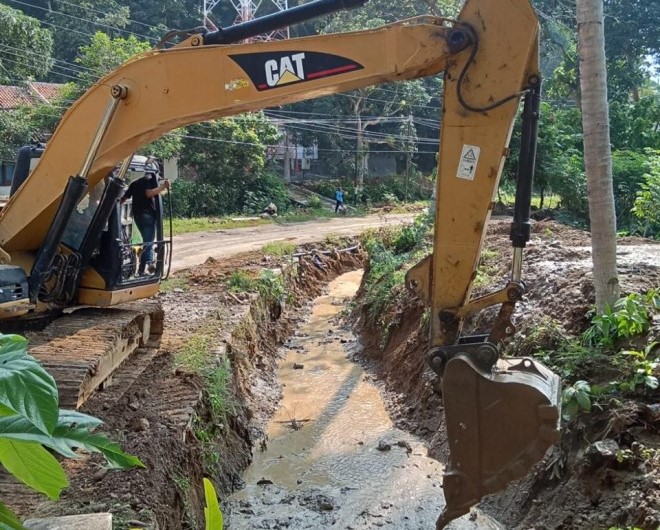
502 414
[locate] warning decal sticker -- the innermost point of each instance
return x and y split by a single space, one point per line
467 165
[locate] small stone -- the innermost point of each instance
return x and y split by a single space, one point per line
141 425
298 366
383 446
99 474
133 405
473 516
602 452
299 481
178 290
264 482
326 506
405 445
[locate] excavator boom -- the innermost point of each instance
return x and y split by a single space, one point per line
166 89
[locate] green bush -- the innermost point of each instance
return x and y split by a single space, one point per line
628 170
203 199
647 201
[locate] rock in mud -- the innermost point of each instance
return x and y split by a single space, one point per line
264 482
141 425
383 446
601 453
298 366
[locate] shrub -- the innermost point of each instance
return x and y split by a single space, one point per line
647 200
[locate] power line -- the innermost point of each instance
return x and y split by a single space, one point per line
115 28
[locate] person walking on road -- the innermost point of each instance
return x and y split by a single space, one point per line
339 199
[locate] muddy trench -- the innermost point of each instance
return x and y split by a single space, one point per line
331 456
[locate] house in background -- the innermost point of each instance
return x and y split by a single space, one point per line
13 97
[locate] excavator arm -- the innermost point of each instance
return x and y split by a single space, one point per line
501 415
165 89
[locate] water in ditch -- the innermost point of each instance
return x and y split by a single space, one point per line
333 458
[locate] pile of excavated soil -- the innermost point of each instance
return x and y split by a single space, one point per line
572 488
162 414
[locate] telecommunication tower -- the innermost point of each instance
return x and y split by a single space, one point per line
247 10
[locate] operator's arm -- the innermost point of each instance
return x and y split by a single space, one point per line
154 192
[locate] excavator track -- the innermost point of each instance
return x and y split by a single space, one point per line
83 349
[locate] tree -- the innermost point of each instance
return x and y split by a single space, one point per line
25 47
15 131
74 23
103 54
597 153
229 156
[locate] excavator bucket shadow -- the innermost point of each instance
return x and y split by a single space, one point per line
498 424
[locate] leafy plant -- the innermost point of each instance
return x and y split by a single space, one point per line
241 281
576 398
212 512
642 369
271 286
31 423
628 317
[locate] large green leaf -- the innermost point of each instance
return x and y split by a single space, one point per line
8 521
25 387
212 513
80 437
70 433
32 464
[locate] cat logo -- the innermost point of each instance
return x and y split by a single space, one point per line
272 70
289 69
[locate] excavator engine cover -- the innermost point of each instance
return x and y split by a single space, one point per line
499 424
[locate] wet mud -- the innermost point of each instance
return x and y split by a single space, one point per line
332 456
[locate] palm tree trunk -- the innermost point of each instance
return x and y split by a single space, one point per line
597 152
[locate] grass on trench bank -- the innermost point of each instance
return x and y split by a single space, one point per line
279 248
205 224
196 357
177 282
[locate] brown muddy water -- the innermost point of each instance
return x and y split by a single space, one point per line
333 458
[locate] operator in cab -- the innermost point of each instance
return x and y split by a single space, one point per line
144 191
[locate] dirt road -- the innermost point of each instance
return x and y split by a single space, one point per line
194 248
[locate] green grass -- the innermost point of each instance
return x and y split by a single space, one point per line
241 281
195 357
179 282
550 201
279 248
205 224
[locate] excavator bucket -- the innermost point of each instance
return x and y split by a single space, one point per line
499 425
